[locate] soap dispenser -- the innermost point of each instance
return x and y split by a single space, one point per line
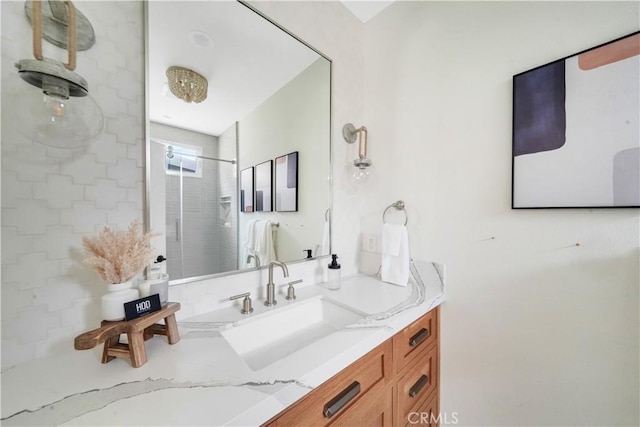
333 273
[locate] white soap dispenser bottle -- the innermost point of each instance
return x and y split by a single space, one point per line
333 273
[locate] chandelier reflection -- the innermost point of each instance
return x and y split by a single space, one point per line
187 85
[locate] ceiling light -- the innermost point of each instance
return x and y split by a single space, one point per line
57 111
200 39
187 85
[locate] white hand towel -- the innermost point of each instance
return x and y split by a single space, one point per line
258 242
270 242
249 236
264 244
395 254
248 243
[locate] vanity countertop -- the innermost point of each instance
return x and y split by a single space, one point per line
201 380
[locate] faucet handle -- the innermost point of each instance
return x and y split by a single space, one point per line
246 303
291 292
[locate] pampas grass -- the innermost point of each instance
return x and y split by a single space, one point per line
117 256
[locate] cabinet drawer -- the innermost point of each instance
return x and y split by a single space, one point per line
408 343
333 398
427 414
373 409
417 383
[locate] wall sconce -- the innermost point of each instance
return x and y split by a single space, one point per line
363 165
57 110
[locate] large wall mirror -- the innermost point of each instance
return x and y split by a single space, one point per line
238 144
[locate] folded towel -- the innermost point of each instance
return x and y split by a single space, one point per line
259 243
392 235
249 236
264 246
395 254
247 244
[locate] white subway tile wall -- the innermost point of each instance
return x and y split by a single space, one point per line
204 244
51 198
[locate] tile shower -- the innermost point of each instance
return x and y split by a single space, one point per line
200 213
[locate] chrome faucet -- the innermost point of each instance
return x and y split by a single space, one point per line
255 257
271 287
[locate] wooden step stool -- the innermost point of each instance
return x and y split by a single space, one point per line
138 331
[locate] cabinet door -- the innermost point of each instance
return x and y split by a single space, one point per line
426 415
417 383
409 342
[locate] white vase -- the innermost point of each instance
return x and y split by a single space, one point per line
113 301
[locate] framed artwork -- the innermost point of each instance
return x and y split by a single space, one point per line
287 183
576 130
264 185
246 190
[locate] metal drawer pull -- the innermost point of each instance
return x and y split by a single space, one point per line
338 402
415 389
419 337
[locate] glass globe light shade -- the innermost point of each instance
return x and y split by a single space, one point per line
362 175
51 112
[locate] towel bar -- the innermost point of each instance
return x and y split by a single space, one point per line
399 206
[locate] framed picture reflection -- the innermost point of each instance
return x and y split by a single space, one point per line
287 183
264 186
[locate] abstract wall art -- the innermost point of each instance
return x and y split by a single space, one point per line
264 184
246 190
576 130
287 183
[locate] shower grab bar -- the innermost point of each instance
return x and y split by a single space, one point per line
177 229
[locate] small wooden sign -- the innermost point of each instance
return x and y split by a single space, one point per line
142 306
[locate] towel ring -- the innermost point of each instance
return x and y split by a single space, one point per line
399 205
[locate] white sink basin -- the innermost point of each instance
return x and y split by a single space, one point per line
266 338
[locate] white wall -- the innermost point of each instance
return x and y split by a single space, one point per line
50 199
535 330
295 118
329 27
228 206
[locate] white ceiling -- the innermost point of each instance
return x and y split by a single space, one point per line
366 9
249 61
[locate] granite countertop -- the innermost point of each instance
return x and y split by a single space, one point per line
201 380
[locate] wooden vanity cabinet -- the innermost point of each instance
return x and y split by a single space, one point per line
375 408
361 391
416 383
416 361
425 415
395 384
